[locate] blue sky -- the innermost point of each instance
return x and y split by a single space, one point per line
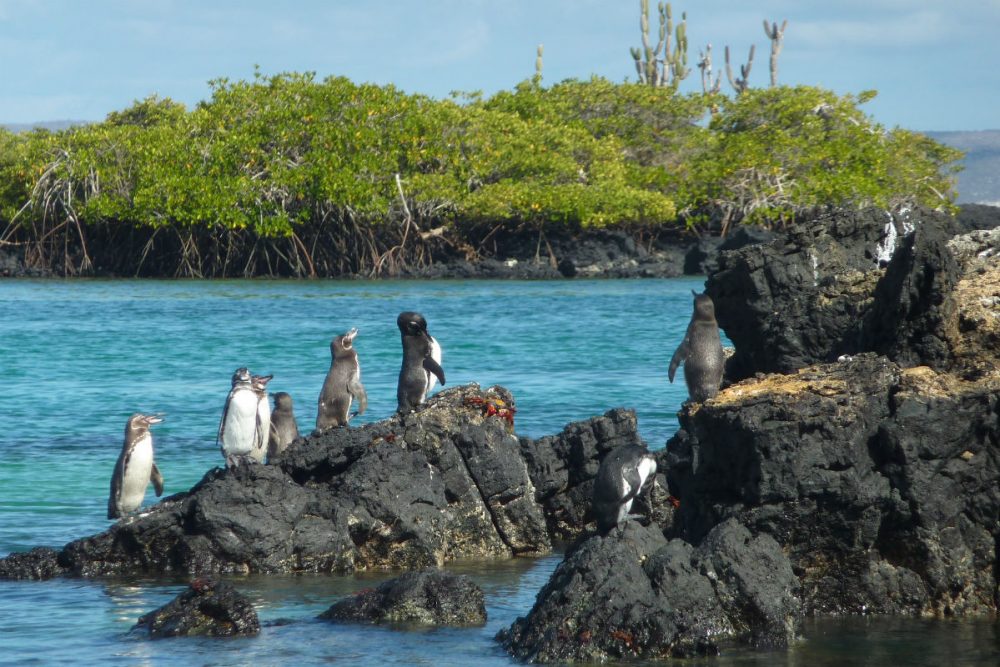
936 64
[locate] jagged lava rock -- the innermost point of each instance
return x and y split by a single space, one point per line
881 484
206 608
634 594
414 491
429 597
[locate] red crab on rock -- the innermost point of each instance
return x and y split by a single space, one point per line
492 406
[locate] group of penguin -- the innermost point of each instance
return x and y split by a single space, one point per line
250 431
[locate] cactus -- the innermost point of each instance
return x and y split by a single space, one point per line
670 68
776 36
537 79
708 86
741 83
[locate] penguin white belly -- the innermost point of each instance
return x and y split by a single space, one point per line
135 477
436 356
646 467
241 424
263 428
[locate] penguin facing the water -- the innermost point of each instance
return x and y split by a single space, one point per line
700 352
261 435
284 428
620 479
135 468
239 425
342 385
421 367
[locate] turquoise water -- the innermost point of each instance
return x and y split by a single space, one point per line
79 357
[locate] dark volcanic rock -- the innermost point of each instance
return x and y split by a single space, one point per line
206 608
426 598
846 283
563 467
39 563
881 484
414 491
633 593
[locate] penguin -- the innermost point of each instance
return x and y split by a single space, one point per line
342 385
700 352
284 429
421 367
135 468
620 478
263 430
238 428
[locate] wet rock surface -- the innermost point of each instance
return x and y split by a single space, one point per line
206 608
634 594
421 598
445 482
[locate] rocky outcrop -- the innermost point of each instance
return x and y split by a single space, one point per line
846 283
410 492
880 483
634 594
422 598
206 608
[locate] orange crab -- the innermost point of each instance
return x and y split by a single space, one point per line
492 406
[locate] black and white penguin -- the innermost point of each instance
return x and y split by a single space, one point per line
284 428
700 352
261 436
135 468
421 362
342 385
620 478
239 425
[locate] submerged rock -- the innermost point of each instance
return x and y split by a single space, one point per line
412 491
425 598
634 594
206 608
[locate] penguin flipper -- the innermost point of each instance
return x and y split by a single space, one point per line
359 394
679 355
157 479
431 366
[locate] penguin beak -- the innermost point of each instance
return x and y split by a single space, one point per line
154 419
349 336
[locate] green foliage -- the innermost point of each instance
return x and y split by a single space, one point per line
278 153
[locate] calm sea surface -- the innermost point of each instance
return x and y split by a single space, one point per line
77 358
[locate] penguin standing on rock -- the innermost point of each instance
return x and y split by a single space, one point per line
263 432
238 428
342 385
135 468
700 352
284 429
421 362
620 478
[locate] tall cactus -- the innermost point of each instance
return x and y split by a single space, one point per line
670 68
776 36
708 86
537 79
741 83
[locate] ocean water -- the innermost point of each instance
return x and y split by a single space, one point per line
78 357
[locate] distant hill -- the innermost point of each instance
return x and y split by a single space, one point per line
979 183
53 125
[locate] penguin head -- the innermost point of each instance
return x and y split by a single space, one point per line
282 401
140 422
411 324
241 376
343 344
704 307
259 382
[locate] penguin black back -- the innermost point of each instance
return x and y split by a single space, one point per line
620 479
421 361
700 352
284 428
